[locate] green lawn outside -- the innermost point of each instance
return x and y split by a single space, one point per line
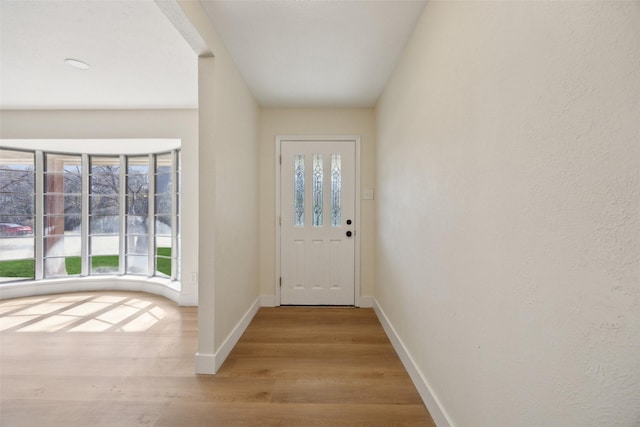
163 265
109 262
73 265
26 267
18 268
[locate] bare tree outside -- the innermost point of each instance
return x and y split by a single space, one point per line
17 187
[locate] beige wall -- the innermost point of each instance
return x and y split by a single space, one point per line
116 124
508 210
312 121
228 195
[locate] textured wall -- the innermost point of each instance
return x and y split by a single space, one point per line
508 210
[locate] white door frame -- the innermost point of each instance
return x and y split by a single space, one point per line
319 138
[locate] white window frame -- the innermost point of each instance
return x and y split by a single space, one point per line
85 254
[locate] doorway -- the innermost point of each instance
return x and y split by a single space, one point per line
317 220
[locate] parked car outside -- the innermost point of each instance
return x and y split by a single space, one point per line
10 230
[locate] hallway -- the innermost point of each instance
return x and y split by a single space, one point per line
126 359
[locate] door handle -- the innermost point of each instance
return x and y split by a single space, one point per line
349 233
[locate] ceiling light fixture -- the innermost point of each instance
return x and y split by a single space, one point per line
77 64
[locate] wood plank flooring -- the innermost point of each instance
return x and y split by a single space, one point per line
127 359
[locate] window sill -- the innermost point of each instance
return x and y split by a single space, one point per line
153 285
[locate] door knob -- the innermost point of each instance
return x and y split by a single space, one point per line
349 234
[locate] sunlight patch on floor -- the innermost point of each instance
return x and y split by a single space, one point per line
79 313
50 324
92 325
8 322
86 309
43 309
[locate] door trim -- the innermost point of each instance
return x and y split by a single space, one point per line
318 138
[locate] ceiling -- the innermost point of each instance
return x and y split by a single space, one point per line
315 53
138 59
293 53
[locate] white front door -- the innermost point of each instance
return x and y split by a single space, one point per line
317 231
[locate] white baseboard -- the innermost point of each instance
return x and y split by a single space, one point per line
366 301
268 301
430 400
205 363
232 339
188 300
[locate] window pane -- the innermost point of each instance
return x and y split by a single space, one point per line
163 163
17 187
104 220
16 248
63 173
16 226
163 225
137 204
16 205
104 264
61 267
104 178
138 245
60 203
163 246
336 190
178 269
63 186
163 259
105 245
105 183
317 190
137 265
163 183
17 269
62 224
67 181
104 224
138 165
104 204
109 166
17 179
163 203
105 249
164 200
56 246
137 185
298 191
178 202
137 225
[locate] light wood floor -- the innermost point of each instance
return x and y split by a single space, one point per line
127 359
